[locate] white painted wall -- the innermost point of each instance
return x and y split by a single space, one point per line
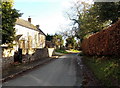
25 32
38 40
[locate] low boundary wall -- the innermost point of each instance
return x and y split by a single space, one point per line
39 54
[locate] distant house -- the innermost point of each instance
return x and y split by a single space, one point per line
28 36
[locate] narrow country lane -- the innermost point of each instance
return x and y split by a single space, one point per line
59 72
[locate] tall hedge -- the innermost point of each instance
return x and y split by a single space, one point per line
105 42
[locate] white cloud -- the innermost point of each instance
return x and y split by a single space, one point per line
50 24
66 4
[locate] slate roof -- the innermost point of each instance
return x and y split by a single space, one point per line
26 24
41 32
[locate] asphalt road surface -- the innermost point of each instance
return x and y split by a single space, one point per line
63 71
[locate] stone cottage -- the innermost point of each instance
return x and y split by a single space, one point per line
28 39
28 36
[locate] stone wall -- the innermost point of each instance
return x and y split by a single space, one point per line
7 57
7 61
39 54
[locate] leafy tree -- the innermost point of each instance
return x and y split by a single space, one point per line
97 17
9 16
107 11
89 23
86 22
70 42
49 37
58 41
93 18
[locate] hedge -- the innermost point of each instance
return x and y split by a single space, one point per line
105 42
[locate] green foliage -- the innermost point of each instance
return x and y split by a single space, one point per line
81 53
49 37
107 11
70 42
56 39
106 69
89 23
95 17
111 69
61 51
9 16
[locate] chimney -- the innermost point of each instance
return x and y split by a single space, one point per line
37 26
29 19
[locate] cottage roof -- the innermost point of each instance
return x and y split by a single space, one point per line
42 32
25 23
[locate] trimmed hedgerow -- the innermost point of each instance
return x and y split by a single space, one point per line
105 42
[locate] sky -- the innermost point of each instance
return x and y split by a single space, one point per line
49 14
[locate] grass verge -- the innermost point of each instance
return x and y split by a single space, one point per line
106 69
61 51
75 51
